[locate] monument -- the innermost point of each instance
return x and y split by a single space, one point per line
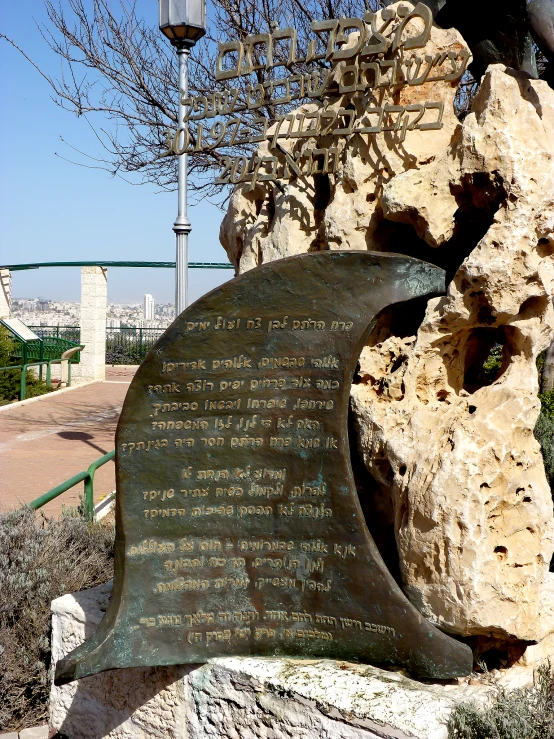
240 532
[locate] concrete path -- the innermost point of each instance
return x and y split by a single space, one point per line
45 442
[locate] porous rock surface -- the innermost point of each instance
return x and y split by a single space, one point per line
471 505
460 476
247 698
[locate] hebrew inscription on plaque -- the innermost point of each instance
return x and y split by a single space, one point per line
239 529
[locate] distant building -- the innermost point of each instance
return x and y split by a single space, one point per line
148 307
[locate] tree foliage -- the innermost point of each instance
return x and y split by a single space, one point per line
10 379
6 347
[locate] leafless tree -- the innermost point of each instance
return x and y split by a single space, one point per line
120 75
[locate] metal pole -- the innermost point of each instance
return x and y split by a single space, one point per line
182 226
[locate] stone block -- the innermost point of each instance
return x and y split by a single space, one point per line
247 698
11 735
37 732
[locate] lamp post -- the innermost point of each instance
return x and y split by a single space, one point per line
184 23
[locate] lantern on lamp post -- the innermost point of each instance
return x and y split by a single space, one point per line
184 23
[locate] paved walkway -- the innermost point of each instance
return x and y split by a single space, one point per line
46 442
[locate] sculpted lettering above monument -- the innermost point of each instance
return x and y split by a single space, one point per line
239 530
366 65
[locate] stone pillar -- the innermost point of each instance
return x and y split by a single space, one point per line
5 293
94 295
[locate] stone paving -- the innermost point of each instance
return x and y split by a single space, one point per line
45 442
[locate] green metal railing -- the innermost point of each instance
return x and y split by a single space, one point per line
124 345
25 367
47 347
69 333
87 477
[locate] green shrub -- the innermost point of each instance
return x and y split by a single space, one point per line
7 346
40 559
10 383
492 365
547 402
544 434
524 713
10 379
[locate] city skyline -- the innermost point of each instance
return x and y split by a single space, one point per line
38 312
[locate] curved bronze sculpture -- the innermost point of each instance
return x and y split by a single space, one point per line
239 529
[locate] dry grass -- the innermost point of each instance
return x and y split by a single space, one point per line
525 713
40 559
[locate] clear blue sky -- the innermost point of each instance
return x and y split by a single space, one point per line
51 210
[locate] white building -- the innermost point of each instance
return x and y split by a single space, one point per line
148 307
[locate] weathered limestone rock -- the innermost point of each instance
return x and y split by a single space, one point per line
460 475
247 698
471 506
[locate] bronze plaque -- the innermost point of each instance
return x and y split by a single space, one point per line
239 529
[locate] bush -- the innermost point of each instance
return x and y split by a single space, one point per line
524 713
547 402
492 365
544 434
7 346
40 559
121 355
10 379
10 383
123 350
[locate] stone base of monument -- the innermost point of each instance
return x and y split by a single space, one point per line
246 698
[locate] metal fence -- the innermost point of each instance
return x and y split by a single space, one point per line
71 333
87 477
125 345
51 347
130 345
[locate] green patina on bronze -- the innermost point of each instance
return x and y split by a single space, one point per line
239 529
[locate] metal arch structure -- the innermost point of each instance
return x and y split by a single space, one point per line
100 263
